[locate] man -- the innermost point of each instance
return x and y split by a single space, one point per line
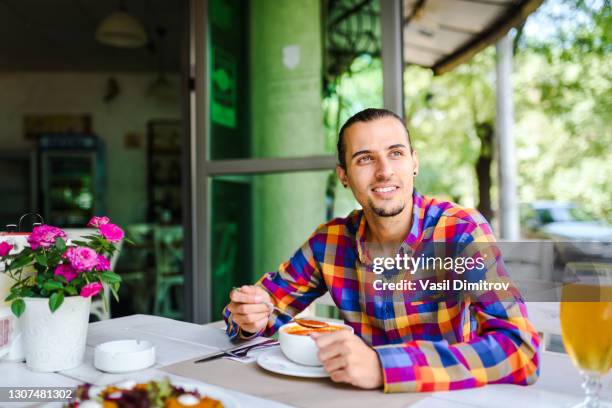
408 345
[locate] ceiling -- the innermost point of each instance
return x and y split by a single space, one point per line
442 34
60 35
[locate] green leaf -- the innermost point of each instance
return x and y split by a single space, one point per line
20 262
11 297
41 258
71 290
114 288
54 258
110 277
60 244
52 285
18 307
55 301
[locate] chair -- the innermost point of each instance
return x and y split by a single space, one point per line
168 243
136 266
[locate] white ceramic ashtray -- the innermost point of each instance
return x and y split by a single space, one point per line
122 356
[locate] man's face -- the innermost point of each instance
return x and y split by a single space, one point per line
379 166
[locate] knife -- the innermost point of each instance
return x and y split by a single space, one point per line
223 353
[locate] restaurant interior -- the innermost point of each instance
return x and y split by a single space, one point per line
91 124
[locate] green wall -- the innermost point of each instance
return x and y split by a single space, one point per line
286 117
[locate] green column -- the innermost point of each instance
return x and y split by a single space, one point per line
286 117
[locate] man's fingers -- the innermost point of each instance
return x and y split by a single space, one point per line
255 327
334 364
333 350
239 296
246 308
250 289
340 376
249 318
324 340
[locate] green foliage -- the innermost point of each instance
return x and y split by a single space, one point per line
18 307
563 99
55 301
110 277
33 272
361 88
563 102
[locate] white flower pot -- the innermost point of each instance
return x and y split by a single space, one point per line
55 341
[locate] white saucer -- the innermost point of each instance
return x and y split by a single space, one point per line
274 360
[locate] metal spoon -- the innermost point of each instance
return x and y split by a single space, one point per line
308 323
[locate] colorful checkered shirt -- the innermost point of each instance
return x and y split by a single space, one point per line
422 345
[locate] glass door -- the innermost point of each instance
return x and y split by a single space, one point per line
263 161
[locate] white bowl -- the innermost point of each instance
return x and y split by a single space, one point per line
302 349
122 356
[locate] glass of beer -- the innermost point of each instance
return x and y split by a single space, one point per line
586 325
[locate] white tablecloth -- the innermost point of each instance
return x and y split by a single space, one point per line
559 384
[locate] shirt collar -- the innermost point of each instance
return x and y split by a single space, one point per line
412 239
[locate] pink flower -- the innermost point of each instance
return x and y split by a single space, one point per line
45 236
82 258
103 263
111 232
91 289
5 248
66 271
98 221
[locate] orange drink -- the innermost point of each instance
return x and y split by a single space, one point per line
586 325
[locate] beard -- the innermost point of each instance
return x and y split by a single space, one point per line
383 212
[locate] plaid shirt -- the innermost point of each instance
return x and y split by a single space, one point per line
422 345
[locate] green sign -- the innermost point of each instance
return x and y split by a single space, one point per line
223 78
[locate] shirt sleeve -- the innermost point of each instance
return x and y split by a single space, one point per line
292 288
503 348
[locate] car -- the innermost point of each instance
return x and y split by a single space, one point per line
578 235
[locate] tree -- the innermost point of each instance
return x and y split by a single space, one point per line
563 100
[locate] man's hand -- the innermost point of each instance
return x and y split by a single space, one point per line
348 359
249 308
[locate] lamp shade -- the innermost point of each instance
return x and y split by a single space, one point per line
121 29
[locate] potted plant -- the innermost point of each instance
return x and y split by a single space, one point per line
54 282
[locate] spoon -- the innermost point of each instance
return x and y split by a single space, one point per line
308 323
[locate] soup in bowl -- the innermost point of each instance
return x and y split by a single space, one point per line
297 345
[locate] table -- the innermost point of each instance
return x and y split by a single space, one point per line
177 342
